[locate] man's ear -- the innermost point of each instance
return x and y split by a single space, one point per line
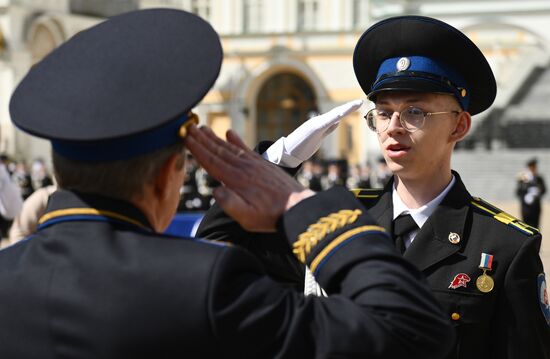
167 173
462 126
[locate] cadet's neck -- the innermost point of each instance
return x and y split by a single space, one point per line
154 210
416 192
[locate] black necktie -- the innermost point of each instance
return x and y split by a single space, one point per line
402 225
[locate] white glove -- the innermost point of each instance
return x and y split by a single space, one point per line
304 141
531 195
311 287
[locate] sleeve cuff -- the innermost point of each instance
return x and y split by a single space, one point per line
321 227
277 154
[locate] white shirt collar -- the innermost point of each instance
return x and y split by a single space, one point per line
421 214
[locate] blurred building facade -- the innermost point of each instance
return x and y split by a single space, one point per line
288 60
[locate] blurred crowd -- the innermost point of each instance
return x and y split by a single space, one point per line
23 188
196 193
316 175
34 183
319 175
28 178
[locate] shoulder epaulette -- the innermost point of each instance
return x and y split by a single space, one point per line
503 217
367 192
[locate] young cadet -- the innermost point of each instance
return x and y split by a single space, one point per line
100 280
426 80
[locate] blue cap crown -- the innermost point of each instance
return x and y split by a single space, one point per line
424 69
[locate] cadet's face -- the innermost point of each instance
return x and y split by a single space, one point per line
427 151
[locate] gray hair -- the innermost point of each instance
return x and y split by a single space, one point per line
122 179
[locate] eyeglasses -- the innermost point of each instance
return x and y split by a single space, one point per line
411 118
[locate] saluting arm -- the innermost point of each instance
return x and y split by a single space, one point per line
288 153
379 306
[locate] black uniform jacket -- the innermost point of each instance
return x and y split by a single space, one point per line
507 322
96 282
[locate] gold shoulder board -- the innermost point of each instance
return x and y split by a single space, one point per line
367 192
503 217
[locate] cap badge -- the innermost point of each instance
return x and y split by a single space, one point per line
193 119
454 238
460 280
403 64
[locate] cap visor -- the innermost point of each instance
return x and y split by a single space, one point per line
409 84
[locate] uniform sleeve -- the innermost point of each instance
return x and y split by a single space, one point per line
378 305
273 252
527 332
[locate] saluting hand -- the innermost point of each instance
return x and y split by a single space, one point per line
254 191
304 141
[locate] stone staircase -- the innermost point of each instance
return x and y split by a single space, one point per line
492 175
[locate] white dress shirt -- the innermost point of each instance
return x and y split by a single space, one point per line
421 214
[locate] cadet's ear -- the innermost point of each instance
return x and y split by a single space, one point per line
462 126
167 173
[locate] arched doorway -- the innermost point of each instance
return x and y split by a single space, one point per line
284 101
44 36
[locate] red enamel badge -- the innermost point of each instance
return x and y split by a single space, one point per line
460 280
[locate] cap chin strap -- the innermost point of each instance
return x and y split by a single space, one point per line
460 93
424 75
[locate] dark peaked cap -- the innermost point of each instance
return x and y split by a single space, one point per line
442 59
121 88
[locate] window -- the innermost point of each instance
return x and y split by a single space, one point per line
252 16
361 14
201 8
307 15
101 8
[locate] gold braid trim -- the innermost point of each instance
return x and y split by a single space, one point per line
339 240
318 231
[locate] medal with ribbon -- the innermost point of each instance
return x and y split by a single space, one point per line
484 282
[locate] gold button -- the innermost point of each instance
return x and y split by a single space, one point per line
455 316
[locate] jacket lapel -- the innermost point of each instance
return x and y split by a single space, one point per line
431 245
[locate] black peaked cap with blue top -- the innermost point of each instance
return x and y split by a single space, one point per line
122 88
417 53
